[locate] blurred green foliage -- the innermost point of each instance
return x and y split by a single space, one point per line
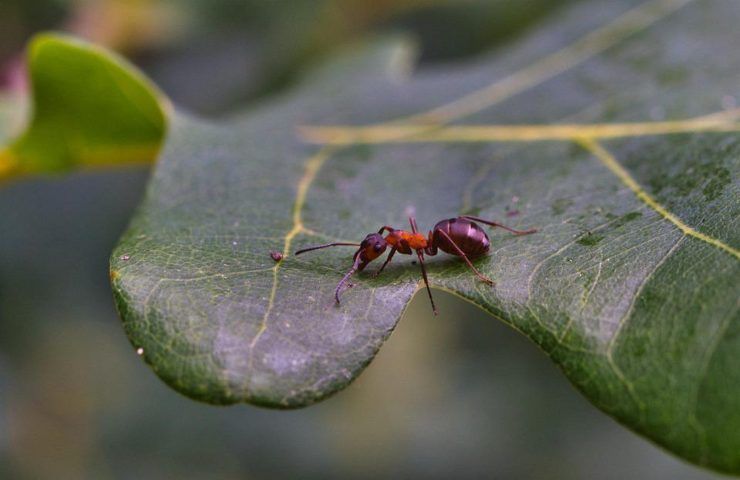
113 117
259 47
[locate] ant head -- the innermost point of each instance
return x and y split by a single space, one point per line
371 248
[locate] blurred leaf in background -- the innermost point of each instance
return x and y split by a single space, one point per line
280 39
90 110
11 116
259 47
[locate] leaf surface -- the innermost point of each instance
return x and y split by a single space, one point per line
91 109
612 129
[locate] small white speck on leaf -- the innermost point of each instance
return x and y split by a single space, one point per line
140 351
125 257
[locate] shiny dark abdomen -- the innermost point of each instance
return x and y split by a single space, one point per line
466 234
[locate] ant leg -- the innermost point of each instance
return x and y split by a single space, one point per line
414 228
465 257
494 224
335 244
420 254
387 261
384 228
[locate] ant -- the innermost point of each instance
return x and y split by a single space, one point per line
459 236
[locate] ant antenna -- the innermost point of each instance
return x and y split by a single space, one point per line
335 244
344 279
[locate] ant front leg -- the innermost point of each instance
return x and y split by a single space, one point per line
464 257
387 261
495 224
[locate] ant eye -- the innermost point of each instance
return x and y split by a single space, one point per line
377 247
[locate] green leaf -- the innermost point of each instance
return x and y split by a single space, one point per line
612 130
90 109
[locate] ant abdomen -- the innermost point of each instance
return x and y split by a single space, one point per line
469 237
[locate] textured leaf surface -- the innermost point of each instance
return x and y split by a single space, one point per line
90 109
612 129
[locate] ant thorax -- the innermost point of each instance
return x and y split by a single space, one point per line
405 241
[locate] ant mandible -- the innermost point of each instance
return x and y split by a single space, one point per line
459 236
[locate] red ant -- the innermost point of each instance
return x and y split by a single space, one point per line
459 236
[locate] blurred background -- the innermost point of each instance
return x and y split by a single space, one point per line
459 395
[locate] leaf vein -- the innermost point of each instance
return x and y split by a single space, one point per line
611 163
311 168
415 133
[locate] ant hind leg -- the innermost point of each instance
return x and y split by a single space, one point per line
465 257
496 224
